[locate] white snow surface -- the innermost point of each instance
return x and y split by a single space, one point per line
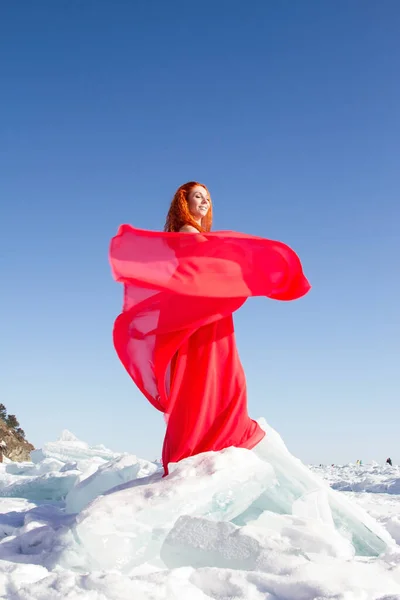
83 522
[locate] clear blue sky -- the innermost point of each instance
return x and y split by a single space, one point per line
289 112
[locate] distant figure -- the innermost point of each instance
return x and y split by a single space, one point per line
389 461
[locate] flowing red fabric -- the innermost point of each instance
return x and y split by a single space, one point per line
175 335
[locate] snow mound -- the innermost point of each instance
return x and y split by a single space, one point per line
69 449
107 476
85 522
370 478
67 436
144 511
274 543
51 486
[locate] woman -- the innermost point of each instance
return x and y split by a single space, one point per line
175 335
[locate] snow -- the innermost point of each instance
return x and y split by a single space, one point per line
69 448
85 522
107 476
369 478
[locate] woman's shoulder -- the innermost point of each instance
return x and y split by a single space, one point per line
188 229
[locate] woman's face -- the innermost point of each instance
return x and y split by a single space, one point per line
199 203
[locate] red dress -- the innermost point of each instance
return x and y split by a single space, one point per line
175 335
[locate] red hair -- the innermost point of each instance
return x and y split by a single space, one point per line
179 214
